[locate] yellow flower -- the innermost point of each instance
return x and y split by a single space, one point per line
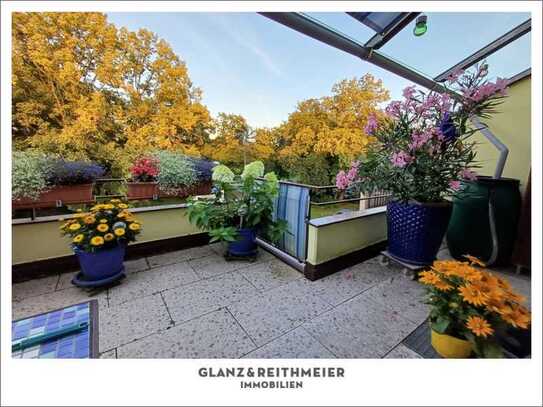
109 206
134 226
109 237
474 260
97 241
74 226
479 326
103 220
114 201
102 227
89 220
79 238
122 206
119 232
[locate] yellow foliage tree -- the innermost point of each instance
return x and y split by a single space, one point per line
231 140
86 90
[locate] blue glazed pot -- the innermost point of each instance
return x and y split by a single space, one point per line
416 230
245 245
102 264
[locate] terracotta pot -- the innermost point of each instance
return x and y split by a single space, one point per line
450 347
57 196
142 190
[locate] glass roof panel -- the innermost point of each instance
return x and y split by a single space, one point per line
450 38
345 24
511 59
375 20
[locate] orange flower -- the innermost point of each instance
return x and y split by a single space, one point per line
428 277
479 326
474 260
517 316
443 286
473 295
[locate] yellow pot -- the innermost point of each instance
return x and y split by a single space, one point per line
450 347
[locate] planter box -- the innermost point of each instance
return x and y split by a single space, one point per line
142 190
203 188
58 196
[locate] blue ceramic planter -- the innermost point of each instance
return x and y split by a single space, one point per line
245 246
416 230
101 267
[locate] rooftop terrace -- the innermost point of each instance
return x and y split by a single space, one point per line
194 304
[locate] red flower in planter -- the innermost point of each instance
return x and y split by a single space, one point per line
145 169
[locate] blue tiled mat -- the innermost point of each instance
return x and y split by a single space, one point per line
78 345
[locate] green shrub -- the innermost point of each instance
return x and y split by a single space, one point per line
176 171
30 171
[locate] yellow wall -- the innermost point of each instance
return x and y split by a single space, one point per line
42 240
512 126
337 239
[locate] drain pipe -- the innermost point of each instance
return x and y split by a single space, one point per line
504 151
502 148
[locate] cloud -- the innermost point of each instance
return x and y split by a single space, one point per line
243 39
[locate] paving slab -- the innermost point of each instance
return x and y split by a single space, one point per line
269 274
201 297
350 282
275 312
402 295
132 320
360 328
32 288
402 352
180 256
112 354
137 285
214 335
215 265
54 300
296 344
136 265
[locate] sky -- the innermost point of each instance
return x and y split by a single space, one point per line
247 64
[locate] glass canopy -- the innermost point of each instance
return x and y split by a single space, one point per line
451 37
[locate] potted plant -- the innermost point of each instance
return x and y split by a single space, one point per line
99 239
421 153
176 174
204 169
470 307
41 181
29 175
144 174
241 207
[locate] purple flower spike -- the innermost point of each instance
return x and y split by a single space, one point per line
447 128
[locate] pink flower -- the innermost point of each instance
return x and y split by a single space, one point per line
400 159
344 180
419 139
468 175
393 108
371 125
453 77
455 185
408 92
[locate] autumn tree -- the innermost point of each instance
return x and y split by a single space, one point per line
321 132
231 140
86 90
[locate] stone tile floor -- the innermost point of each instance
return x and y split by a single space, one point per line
194 304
